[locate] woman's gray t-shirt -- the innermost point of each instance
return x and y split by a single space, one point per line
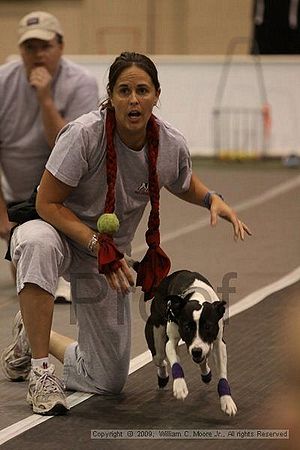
79 160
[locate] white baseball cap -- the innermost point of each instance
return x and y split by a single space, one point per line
38 25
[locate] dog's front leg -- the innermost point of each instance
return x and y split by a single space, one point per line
220 355
160 338
180 390
206 375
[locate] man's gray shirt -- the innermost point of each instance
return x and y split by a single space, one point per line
23 147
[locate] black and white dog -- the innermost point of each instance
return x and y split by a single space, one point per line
186 307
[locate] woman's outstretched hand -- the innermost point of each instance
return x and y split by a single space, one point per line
220 208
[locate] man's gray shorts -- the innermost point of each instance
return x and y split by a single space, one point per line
99 361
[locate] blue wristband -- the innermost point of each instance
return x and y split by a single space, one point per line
207 198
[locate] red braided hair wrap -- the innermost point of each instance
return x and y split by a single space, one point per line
155 265
108 254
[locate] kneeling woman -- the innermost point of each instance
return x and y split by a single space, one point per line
113 160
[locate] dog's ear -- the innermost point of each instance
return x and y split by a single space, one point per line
186 298
219 308
175 303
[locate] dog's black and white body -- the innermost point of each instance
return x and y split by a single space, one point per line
186 307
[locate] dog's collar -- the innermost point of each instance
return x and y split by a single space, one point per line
170 315
190 290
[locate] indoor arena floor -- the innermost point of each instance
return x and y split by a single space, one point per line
264 272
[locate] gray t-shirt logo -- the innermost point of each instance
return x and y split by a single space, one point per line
143 189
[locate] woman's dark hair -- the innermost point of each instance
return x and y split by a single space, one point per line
122 62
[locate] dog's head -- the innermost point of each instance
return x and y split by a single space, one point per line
198 323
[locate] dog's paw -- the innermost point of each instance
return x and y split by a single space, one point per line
227 405
180 389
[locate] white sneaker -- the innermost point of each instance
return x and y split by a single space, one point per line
16 358
63 291
46 392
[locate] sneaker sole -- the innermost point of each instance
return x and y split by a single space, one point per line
9 348
60 299
56 410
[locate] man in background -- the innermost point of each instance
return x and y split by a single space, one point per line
39 94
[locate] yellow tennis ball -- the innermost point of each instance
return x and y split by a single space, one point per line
108 223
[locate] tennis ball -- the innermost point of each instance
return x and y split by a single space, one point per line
108 223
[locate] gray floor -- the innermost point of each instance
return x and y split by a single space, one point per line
271 253
143 407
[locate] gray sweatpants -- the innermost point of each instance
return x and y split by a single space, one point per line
99 361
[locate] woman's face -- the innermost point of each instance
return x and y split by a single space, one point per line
133 98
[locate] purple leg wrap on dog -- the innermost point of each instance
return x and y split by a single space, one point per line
177 371
223 387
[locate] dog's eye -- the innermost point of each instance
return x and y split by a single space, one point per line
210 331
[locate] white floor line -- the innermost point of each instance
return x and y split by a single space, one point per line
255 297
250 203
141 360
245 303
35 419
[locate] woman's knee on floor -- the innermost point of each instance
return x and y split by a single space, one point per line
86 374
112 386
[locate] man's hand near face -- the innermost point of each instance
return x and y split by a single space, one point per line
41 79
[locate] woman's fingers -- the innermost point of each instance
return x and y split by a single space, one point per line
127 272
247 229
113 280
220 208
239 229
122 279
213 217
